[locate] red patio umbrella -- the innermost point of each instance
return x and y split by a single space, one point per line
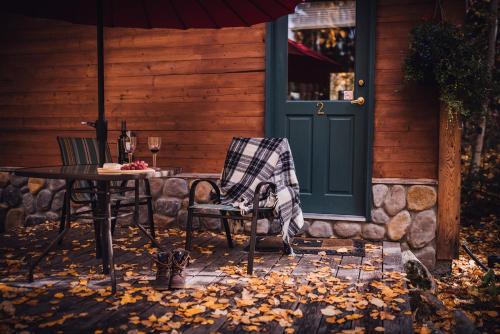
178 14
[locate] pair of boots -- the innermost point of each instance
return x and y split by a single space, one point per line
170 267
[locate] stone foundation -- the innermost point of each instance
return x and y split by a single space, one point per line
403 210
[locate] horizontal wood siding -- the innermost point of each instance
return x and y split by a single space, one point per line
194 88
406 117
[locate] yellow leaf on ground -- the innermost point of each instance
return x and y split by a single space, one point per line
252 328
354 316
194 310
264 318
377 302
386 316
330 311
425 330
59 295
492 314
7 307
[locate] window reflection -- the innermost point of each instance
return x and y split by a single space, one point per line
321 48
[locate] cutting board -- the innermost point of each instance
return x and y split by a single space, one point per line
119 171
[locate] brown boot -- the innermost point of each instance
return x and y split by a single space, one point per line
180 259
163 271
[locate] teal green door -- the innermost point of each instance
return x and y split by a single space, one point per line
320 100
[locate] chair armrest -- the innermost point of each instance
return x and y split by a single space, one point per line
257 192
195 183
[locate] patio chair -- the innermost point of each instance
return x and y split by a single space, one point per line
251 164
84 151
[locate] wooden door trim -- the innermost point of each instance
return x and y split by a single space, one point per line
271 100
371 107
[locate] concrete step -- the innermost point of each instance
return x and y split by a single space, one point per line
333 217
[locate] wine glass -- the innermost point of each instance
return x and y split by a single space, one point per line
130 145
154 144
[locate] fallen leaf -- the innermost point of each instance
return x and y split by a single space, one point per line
7 307
197 309
330 311
492 314
377 302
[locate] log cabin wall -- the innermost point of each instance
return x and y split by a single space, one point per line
197 89
194 88
406 117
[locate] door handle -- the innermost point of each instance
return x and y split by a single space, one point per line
359 101
320 105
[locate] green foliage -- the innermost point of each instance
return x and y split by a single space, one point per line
489 281
481 185
480 189
442 55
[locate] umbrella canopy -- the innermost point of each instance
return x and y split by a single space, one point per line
177 14
307 65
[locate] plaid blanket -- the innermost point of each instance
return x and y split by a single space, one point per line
250 161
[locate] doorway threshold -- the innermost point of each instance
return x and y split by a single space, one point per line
331 216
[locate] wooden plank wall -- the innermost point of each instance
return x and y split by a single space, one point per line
195 89
406 117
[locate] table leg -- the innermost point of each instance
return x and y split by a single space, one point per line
109 243
97 230
136 202
102 209
106 236
60 235
136 217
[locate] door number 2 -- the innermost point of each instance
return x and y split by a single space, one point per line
320 105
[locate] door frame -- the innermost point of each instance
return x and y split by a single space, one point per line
271 58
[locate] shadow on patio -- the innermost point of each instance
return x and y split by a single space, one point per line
303 294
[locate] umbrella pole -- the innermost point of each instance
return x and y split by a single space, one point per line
101 123
101 126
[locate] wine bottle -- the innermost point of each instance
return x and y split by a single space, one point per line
122 154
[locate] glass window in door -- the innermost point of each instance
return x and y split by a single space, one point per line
321 51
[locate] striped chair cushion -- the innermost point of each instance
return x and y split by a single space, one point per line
81 151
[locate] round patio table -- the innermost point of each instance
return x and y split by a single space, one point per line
104 191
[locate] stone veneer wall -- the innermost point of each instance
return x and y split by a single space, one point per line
403 211
28 201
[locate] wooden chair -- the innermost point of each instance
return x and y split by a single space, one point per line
225 212
84 151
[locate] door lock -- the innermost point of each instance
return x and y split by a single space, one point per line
359 101
320 105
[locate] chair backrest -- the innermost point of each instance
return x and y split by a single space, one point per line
80 151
